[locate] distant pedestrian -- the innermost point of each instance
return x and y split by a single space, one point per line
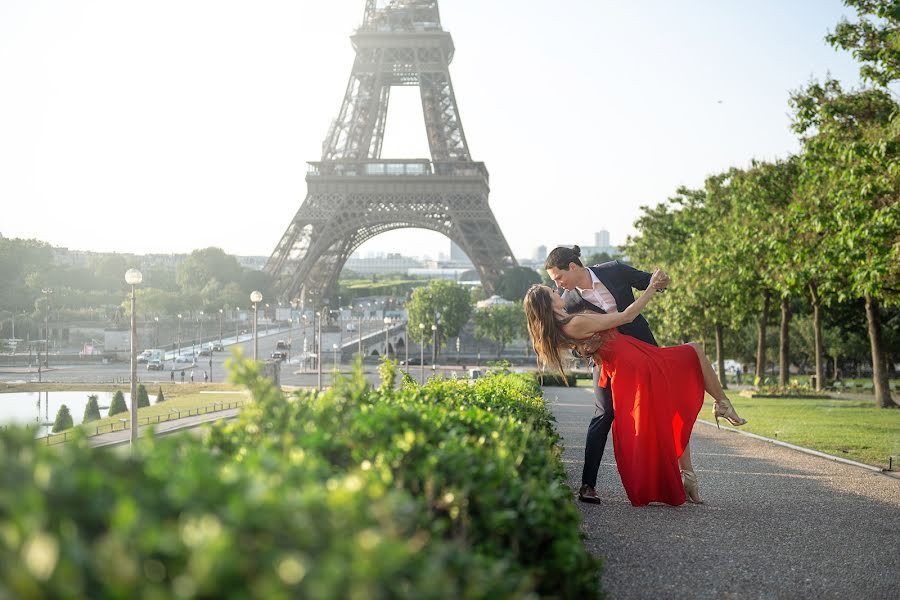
182 376
205 376
192 376
172 375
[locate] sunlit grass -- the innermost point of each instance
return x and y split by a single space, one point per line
854 429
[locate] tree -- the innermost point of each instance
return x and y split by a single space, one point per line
442 303
876 44
117 405
502 324
515 281
207 264
63 420
851 174
160 397
142 397
91 410
597 259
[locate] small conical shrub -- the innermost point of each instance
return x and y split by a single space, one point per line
118 404
63 420
143 397
160 397
91 410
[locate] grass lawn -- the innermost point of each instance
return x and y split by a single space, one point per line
853 429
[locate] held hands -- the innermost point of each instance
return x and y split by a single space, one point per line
659 281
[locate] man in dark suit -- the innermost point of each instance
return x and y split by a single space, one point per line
604 288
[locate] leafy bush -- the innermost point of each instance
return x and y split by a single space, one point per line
792 390
160 397
142 397
63 419
91 410
118 404
448 490
555 379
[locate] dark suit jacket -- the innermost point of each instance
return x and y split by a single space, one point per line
619 279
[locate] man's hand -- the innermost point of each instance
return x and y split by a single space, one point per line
662 281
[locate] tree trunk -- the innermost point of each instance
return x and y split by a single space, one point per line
834 372
879 373
761 339
817 334
720 356
784 350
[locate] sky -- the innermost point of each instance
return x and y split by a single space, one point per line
172 125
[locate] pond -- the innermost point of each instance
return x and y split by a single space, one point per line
38 409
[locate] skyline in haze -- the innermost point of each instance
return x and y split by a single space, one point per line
174 126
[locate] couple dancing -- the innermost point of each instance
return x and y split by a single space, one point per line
655 393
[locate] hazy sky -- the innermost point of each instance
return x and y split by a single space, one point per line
166 126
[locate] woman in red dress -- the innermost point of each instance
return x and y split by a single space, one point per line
657 392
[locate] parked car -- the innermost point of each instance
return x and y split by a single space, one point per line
279 355
155 365
414 361
143 357
282 345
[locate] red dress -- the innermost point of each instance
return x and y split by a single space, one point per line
657 394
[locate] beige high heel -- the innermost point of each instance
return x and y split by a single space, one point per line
691 489
723 409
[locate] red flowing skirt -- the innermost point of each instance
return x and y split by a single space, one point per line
657 395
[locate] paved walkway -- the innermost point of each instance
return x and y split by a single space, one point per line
122 436
776 523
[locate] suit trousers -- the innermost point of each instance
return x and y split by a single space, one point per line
598 431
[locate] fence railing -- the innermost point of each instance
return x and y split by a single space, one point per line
123 424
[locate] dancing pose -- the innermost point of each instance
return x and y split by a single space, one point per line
657 392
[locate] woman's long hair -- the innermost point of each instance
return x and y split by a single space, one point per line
546 330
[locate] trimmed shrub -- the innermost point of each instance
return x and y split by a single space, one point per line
160 397
448 490
63 419
91 410
555 379
118 404
143 398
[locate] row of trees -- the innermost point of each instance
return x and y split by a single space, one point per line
816 232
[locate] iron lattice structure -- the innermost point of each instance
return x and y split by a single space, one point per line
353 194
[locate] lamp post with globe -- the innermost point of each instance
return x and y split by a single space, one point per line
133 277
255 297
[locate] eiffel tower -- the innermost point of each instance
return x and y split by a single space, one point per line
354 195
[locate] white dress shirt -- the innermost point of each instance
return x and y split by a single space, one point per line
599 295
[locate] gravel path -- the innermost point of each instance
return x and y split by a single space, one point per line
776 523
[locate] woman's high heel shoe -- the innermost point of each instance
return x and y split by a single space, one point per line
724 409
691 489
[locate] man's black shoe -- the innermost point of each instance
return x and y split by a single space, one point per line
588 494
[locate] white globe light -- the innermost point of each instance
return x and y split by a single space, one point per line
255 296
133 277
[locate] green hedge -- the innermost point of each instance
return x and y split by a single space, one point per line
555 379
448 490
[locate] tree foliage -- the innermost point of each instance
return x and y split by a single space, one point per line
117 406
445 304
91 410
502 324
515 281
874 39
63 419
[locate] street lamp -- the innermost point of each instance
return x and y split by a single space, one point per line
178 337
237 323
221 316
255 297
266 318
422 352
406 343
433 347
156 343
387 342
319 316
133 277
334 348
46 292
199 334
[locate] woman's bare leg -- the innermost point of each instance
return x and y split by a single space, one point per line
722 406
710 381
684 462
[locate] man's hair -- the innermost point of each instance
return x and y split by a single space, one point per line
560 257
